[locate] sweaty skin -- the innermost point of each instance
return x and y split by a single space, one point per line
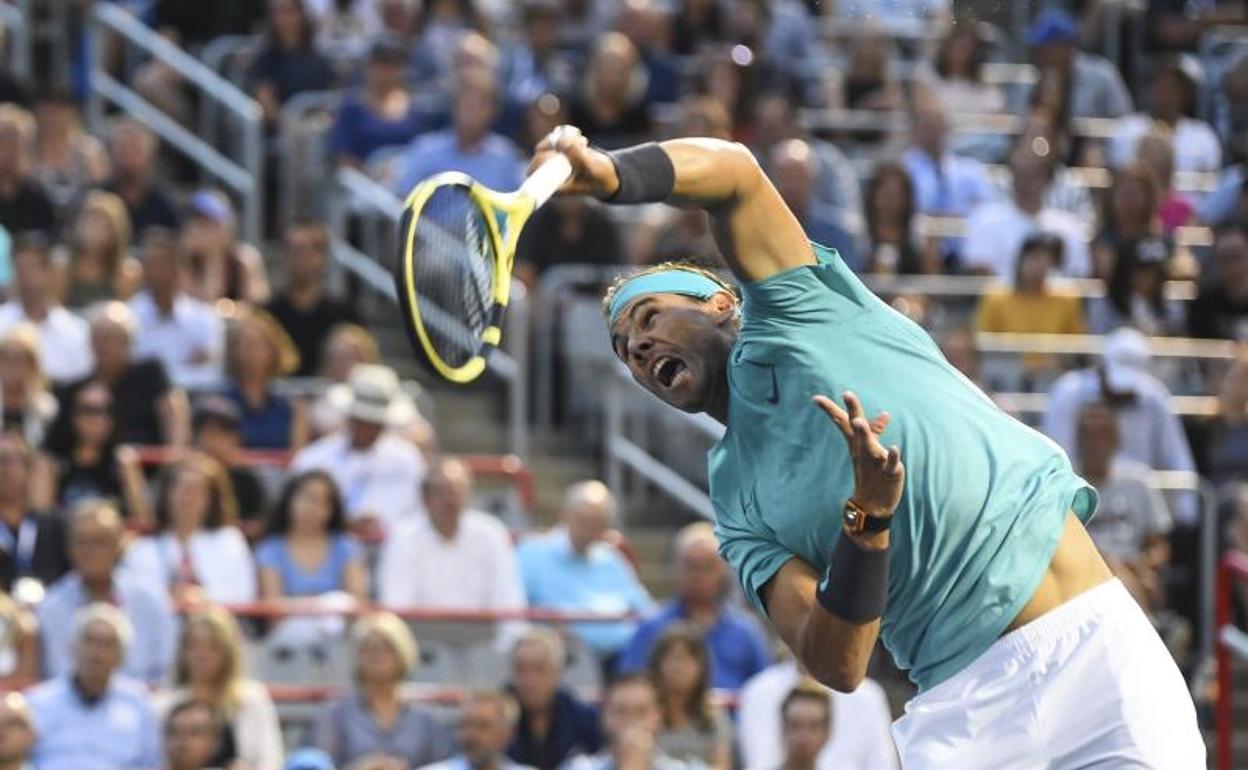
759 237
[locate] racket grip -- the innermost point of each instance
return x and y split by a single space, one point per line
547 179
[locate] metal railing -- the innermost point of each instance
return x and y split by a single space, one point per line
357 196
246 177
16 21
1231 640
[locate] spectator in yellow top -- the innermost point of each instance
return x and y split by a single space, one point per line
1033 305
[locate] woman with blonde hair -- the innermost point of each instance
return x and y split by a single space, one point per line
209 669
100 266
26 404
196 552
694 729
259 351
374 723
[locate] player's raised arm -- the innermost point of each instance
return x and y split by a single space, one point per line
755 231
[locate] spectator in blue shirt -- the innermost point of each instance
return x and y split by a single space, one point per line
469 145
554 725
945 184
93 718
737 644
383 113
572 569
94 552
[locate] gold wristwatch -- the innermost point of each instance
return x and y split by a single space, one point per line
857 521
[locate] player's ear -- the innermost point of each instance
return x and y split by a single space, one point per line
723 307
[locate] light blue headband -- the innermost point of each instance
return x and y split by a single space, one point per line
674 281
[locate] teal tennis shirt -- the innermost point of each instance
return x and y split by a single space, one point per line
985 499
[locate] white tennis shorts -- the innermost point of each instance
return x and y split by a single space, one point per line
1087 685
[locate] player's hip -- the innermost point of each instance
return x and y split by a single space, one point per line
1075 567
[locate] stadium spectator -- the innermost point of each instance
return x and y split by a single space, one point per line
1033 304
191 25
191 736
24 205
945 184
92 715
897 14
1156 152
1131 215
1178 25
348 344
305 308
1136 295
218 434
209 669
19 653
182 332
859 723
197 554
534 65
382 112
1230 105
893 243
487 725
306 551
344 28
32 543
869 83
738 648
220 265
1220 309
1067 189
1094 87
441 25
1227 449
67 159
64 346
132 150
955 76
646 23
258 352
1132 520
289 62
694 730
794 169
100 266
374 723
1151 434
147 409
378 471
95 465
454 556
697 24
573 569
469 145
553 724
994 231
631 721
568 230
1172 93
17 732
610 104
26 405
806 726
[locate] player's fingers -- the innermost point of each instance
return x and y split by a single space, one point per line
865 445
838 415
852 405
880 422
892 464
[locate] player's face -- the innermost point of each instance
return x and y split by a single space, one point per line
677 347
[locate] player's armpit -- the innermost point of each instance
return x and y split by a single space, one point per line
834 651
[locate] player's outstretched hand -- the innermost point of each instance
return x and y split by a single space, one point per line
879 475
593 173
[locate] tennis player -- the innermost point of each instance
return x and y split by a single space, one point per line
969 557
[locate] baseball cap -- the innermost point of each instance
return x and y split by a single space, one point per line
1053 26
211 204
1126 358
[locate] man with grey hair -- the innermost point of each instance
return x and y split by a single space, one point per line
573 569
486 726
95 547
147 408
554 724
737 644
92 716
17 732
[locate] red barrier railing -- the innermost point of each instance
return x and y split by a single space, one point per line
304 607
507 467
1233 567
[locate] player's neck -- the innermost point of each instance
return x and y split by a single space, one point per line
717 407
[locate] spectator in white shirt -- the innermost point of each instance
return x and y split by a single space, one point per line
378 471
1173 101
198 553
455 557
860 724
185 334
64 339
994 231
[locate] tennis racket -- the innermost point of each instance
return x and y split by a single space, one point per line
457 245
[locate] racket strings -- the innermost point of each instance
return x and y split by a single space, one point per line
453 263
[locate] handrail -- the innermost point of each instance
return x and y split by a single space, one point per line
1234 567
1002 124
245 178
979 285
18 24
1183 406
955 227
276 610
1091 344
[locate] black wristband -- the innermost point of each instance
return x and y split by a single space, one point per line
855 587
645 172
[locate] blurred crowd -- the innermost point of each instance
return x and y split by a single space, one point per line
156 367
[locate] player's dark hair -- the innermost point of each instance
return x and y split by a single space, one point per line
689 265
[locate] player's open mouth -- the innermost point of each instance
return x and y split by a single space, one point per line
666 370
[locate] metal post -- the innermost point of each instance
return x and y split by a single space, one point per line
1021 18
611 434
1208 568
95 45
23 37
1224 723
254 161
517 385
